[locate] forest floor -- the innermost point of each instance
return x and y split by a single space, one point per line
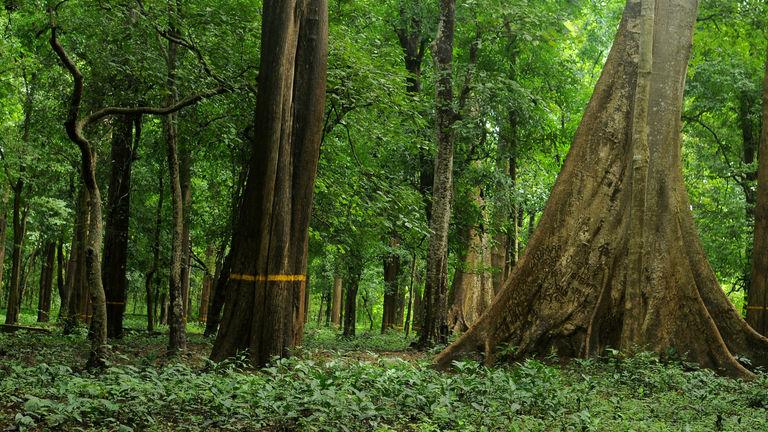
370 383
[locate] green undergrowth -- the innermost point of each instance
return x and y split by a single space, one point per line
371 383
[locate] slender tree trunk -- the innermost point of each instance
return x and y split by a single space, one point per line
164 306
19 229
265 292
186 241
27 268
208 278
350 302
61 288
321 306
152 273
3 233
76 292
307 298
504 255
177 333
328 305
616 261
435 327
392 292
46 282
757 305
413 42
117 223
411 292
337 294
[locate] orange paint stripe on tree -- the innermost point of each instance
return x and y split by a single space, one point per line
268 278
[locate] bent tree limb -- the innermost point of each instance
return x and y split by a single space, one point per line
74 126
616 260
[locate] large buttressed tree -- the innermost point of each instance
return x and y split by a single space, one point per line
616 260
265 291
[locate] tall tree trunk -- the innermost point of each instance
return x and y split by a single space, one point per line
61 288
3 234
392 291
337 295
409 314
177 333
307 298
616 260
265 292
98 328
19 229
186 242
750 146
354 273
472 290
504 254
46 282
117 223
435 327
208 279
164 306
76 283
152 273
757 305
27 268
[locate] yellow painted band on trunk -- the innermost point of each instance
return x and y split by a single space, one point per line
757 307
267 278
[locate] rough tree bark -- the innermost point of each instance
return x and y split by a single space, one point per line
757 305
117 222
435 327
473 289
337 295
616 260
177 323
265 291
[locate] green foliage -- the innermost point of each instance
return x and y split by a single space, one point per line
364 391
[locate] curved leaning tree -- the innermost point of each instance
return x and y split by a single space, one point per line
616 260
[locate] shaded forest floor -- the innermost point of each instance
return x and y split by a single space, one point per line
371 383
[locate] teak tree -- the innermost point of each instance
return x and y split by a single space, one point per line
757 308
616 260
263 310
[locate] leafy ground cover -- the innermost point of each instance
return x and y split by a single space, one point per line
371 383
